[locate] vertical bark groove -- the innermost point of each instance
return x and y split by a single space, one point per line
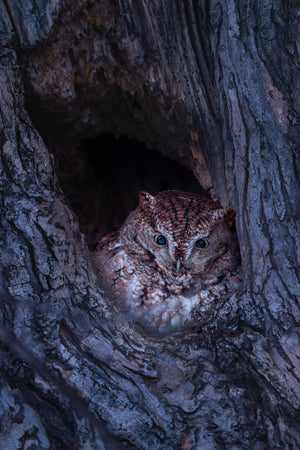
212 85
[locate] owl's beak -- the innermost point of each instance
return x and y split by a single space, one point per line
178 264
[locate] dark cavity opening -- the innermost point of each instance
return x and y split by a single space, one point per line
105 176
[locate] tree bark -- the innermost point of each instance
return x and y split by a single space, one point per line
215 86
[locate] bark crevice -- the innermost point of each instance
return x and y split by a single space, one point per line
213 88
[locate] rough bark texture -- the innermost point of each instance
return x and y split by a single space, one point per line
215 86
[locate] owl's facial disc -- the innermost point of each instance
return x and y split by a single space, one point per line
183 258
164 249
176 252
169 254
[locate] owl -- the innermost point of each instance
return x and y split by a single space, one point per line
175 252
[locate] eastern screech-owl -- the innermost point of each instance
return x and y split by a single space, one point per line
176 251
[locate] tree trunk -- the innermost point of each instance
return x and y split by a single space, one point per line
214 87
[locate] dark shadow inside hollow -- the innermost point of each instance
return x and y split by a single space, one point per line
106 175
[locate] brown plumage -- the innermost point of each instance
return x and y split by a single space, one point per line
175 251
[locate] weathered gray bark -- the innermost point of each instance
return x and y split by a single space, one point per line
215 86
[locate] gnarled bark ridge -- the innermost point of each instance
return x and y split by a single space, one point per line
212 85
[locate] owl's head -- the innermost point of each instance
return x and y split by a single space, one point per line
186 234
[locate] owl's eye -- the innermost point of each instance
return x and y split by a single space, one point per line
202 243
160 239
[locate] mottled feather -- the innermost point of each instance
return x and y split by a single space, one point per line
160 285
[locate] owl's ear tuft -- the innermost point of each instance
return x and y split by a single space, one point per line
145 201
227 214
218 214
